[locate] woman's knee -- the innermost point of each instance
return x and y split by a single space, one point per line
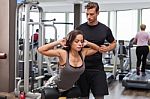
49 93
84 98
99 97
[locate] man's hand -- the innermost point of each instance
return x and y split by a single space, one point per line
107 47
104 49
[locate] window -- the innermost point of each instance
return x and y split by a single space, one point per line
126 24
71 20
103 17
145 18
50 31
34 16
112 24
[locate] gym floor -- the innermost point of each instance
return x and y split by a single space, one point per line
116 92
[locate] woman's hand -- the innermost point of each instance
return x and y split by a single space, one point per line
104 49
62 42
85 43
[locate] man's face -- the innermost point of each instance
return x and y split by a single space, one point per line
91 15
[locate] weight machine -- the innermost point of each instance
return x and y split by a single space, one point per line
124 57
22 26
44 92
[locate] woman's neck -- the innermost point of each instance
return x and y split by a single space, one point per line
74 53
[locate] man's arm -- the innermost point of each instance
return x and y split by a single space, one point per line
110 47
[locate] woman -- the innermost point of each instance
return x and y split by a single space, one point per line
71 57
142 38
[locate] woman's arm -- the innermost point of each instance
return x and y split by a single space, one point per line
134 41
49 50
93 48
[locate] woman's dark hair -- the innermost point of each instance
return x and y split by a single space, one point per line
71 37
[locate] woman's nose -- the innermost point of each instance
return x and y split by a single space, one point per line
80 43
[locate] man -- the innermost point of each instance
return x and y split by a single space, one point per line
35 38
94 77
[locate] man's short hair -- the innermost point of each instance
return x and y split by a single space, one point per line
37 30
91 5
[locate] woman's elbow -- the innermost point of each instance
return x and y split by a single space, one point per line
40 50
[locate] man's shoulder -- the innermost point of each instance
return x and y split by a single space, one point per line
81 26
102 24
84 24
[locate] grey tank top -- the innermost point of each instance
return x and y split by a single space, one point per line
68 75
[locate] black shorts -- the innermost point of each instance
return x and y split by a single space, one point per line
95 81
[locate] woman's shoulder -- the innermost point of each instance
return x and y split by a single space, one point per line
63 54
60 50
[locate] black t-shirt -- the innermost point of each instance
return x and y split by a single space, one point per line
97 34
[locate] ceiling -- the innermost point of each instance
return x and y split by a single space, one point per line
105 5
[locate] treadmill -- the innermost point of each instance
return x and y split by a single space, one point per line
131 80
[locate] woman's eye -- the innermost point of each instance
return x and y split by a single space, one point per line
79 41
76 41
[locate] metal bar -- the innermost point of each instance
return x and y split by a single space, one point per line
49 20
62 23
26 49
40 43
16 40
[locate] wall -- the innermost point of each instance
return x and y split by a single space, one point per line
7 45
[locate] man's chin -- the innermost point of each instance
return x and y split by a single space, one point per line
90 22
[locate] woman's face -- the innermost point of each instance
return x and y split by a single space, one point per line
77 43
